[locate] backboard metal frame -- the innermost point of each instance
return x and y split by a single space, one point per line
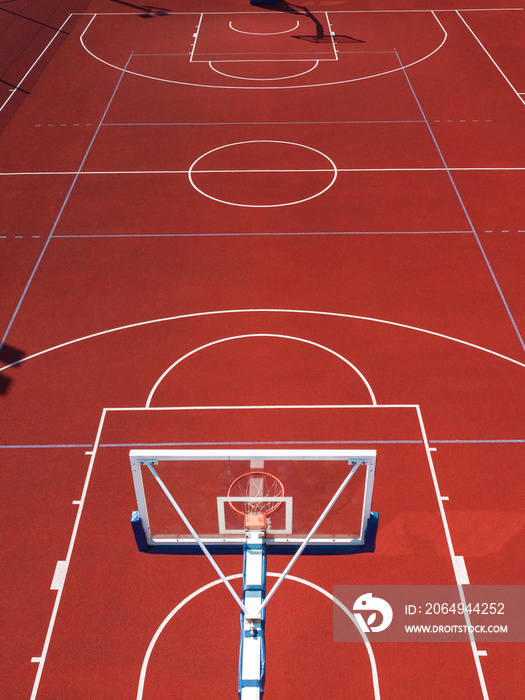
230 541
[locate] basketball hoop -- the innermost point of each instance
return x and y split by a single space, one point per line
260 489
255 495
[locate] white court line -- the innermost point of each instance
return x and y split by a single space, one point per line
195 37
41 660
260 60
333 170
242 77
260 335
331 33
251 407
493 61
333 12
260 170
332 314
409 11
59 576
460 567
376 320
60 212
169 617
57 33
261 87
467 215
286 31
132 14
458 563
64 565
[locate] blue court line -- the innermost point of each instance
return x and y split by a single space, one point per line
269 233
471 442
44 447
509 441
308 123
473 230
64 204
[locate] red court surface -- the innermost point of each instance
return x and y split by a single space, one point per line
275 226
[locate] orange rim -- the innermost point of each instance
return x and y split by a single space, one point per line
265 485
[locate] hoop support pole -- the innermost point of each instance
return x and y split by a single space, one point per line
252 652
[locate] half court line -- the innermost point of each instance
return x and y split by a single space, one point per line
45 173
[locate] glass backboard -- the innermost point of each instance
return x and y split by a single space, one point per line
206 491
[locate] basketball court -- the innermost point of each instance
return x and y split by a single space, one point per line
238 230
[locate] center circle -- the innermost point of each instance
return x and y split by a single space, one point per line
262 173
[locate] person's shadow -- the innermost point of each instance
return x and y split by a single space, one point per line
148 11
9 356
